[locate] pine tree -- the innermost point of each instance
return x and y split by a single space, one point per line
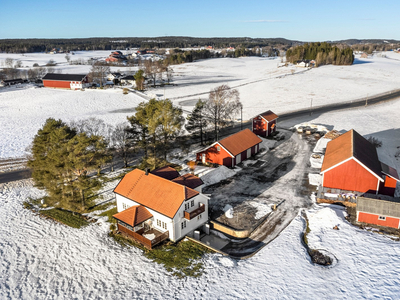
61 163
196 120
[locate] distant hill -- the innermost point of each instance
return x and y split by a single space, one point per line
121 43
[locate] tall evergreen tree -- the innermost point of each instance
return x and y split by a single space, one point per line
61 162
196 120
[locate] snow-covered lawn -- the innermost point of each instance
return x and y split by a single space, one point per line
44 260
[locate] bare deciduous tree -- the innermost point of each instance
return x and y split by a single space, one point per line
98 72
223 103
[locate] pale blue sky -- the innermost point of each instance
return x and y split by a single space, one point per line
298 20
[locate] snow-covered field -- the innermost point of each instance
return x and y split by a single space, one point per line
44 260
24 111
261 84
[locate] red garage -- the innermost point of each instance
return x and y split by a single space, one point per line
65 81
232 150
265 124
351 163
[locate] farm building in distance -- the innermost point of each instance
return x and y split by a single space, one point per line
65 81
264 124
232 150
152 209
351 163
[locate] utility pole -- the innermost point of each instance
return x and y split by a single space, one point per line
366 101
241 116
311 107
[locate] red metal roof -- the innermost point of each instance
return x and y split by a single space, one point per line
269 116
154 192
134 215
239 142
352 144
189 180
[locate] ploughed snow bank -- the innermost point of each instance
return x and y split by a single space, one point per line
216 175
44 260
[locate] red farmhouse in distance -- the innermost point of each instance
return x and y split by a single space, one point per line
65 81
264 124
351 163
232 150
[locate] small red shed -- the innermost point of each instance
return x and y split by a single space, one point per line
65 81
351 163
382 210
264 124
232 150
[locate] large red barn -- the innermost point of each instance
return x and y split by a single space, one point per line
351 163
65 81
264 124
232 150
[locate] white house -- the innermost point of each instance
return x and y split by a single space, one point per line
152 209
112 76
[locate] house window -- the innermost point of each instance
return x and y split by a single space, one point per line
125 206
192 203
382 218
199 216
158 223
183 224
218 148
187 206
164 225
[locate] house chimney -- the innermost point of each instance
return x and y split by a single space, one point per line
147 171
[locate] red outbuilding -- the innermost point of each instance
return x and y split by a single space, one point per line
265 124
351 163
379 210
65 81
232 150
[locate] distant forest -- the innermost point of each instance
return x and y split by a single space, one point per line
45 45
322 53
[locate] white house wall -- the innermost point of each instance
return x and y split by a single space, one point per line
173 225
190 224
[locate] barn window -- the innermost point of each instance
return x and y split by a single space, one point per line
218 148
382 218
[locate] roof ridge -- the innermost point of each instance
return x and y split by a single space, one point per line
135 213
352 142
137 181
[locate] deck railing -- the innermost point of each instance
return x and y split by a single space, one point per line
149 244
195 213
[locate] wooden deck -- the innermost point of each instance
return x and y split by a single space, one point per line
139 236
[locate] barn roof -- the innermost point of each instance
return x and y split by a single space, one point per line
134 215
64 77
348 145
166 172
388 170
189 180
239 142
154 192
269 116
